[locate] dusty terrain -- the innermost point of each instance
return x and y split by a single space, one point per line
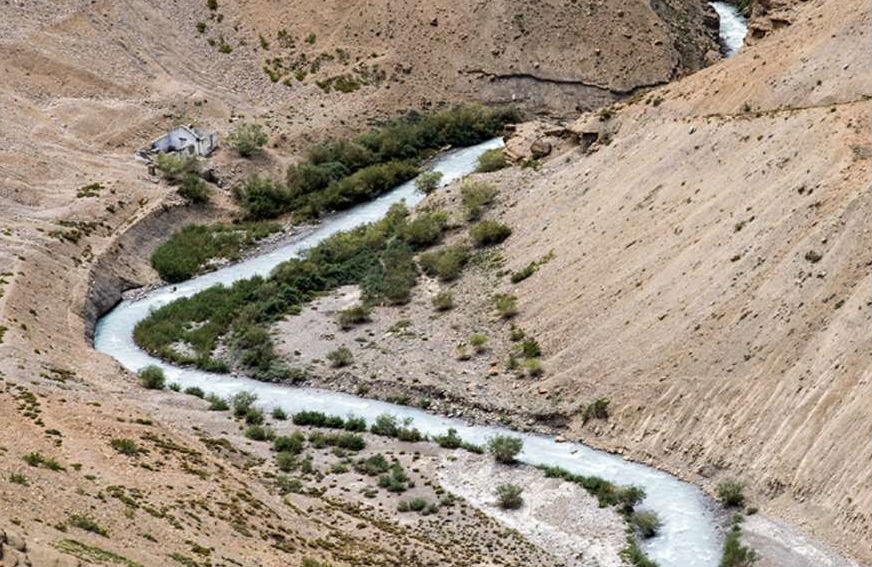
200 491
85 83
710 279
755 367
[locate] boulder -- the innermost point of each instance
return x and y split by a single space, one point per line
16 541
540 149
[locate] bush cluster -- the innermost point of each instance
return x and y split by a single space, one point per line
248 138
320 419
607 493
340 357
445 263
489 233
443 301
475 197
505 448
387 425
188 250
509 496
152 377
492 160
731 493
337 174
597 409
184 173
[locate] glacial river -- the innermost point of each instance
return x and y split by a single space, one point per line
689 537
734 27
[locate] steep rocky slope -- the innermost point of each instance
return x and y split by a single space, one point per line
711 273
85 82
710 278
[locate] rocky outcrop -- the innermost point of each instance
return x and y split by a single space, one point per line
15 551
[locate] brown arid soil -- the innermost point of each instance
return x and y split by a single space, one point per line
83 84
755 367
710 279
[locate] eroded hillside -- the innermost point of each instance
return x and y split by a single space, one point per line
704 266
96 469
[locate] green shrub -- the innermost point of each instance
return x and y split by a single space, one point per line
196 392
372 466
293 443
18 478
188 250
450 440
279 414
175 387
340 357
248 138
646 523
633 555
731 493
318 419
396 480
429 181
287 461
391 280
242 402
87 523
530 348
410 435
288 485
509 496
217 403
533 367
37 459
478 342
526 272
254 416
446 263
491 160
516 334
420 505
505 448
489 233
735 554
355 424
126 447
152 377
259 433
346 440
475 197
443 301
262 198
176 168
353 316
385 425
597 409
607 493
426 230
194 190
506 305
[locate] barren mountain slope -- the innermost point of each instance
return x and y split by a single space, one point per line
711 275
85 82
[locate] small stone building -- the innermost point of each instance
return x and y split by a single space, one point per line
186 140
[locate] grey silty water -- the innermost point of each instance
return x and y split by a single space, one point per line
734 27
689 537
